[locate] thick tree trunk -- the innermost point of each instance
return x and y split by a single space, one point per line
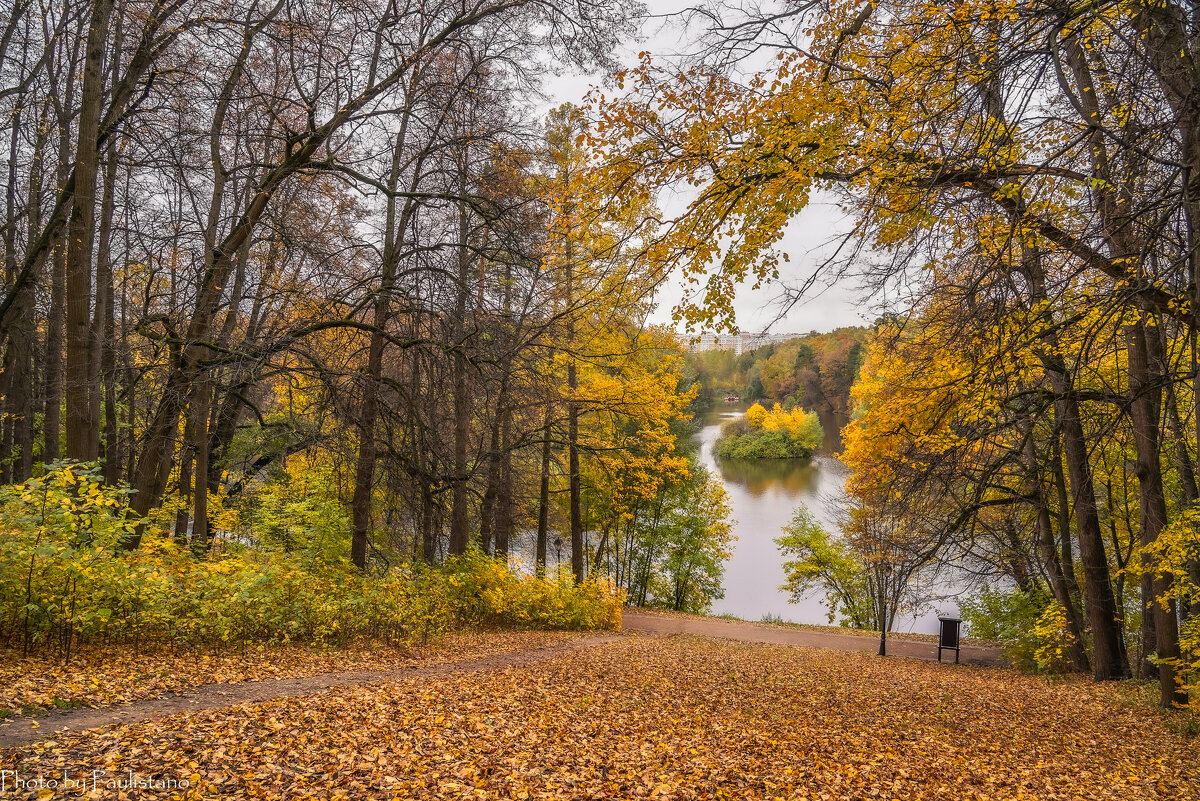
81 374
1145 403
1109 658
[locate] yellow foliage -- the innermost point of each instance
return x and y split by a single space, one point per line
1054 639
64 577
756 415
1175 551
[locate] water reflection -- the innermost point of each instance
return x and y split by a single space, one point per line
794 477
764 495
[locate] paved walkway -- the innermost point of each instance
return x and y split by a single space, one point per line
783 635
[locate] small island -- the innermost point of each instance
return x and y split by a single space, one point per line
774 434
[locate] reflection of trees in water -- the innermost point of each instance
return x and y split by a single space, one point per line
758 476
832 423
795 477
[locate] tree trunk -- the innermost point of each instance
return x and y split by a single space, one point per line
18 363
459 535
1110 660
396 223
1145 403
504 490
201 400
574 484
883 627
543 524
82 376
56 318
1060 588
104 329
187 460
487 506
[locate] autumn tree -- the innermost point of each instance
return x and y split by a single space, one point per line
1003 162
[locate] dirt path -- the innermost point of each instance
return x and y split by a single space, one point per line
26 730
779 635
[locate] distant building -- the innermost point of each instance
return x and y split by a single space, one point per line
738 343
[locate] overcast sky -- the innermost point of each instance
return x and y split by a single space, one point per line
807 241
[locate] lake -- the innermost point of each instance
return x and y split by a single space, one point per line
763 495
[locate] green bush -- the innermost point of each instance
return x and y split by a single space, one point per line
762 445
65 579
1012 617
774 434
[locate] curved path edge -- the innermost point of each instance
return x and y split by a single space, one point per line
23 731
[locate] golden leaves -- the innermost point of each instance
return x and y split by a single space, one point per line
103 678
668 719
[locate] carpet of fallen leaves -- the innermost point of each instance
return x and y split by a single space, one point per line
103 679
656 718
912 636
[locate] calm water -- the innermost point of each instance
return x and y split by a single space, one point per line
764 496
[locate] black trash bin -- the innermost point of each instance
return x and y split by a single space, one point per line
948 639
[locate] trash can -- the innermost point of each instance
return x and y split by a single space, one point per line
948 638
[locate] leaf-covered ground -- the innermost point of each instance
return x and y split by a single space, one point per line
820 629
657 718
101 679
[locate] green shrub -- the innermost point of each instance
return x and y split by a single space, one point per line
64 579
1014 618
762 445
774 434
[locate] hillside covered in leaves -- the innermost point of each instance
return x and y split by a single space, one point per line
664 719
